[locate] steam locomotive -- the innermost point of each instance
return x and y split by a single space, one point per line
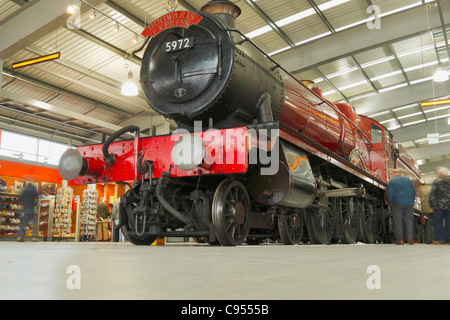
257 154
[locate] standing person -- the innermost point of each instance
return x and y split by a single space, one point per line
28 200
401 195
440 202
103 210
102 214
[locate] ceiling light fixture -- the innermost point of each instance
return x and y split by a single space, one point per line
442 74
129 88
116 27
435 103
93 14
72 9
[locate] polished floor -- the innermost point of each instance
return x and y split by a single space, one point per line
69 270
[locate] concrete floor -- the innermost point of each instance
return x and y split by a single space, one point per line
191 271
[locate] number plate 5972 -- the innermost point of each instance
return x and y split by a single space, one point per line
180 44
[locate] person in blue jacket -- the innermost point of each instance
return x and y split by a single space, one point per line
401 194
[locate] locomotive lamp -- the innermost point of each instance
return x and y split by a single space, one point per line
188 152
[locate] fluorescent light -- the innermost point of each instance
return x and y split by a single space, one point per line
313 38
379 114
296 17
420 162
258 32
393 87
354 24
435 103
414 122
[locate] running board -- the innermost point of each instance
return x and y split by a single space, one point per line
349 192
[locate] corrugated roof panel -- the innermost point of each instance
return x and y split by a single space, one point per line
269 42
346 13
249 20
362 88
333 97
414 44
389 81
389 5
278 10
29 91
6 8
375 54
419 60
408 112
305 29
419 74
307 75
382 69
341 65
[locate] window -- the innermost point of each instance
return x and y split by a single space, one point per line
376 133
29 148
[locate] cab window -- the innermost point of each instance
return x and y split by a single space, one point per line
376 133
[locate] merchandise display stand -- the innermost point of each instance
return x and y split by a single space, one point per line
89 213
10 213
46 206
63 212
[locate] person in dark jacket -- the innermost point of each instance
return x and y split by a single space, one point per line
401 194
28 200
440 203
103 210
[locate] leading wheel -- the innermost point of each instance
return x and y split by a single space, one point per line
347 220
290 227
231 213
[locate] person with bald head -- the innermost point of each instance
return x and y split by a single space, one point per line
401 195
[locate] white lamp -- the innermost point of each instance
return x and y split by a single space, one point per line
129 88
441 74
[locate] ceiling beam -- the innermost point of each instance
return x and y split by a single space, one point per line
61 111
430 151
401 97
420 131
360 38
32 22
432 166
65 92
270 22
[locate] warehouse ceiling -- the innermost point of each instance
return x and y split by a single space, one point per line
378 55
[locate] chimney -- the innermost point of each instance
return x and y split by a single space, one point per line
226 10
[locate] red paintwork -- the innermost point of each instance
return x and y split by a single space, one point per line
158 149
336 127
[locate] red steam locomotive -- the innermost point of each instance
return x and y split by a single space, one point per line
258 154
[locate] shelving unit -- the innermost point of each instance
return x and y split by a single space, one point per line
46 208
10 209
89 214
62 216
